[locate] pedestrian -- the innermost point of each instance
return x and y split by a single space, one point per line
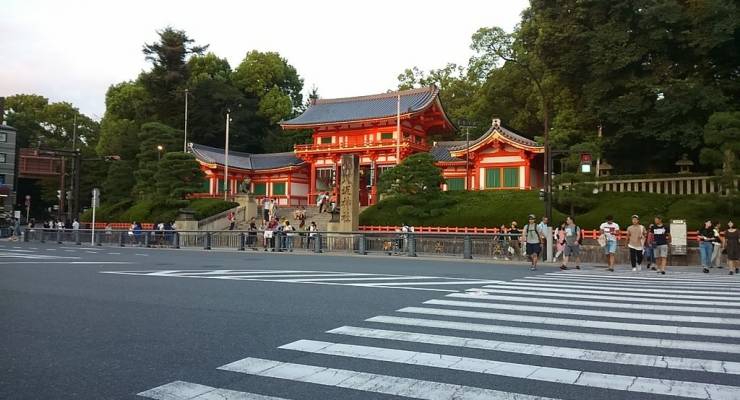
270 232
731 246
717 247
544 227
573 240
289 232
320 202
559 236
532 237
232 220
661 236
312 232
137 233
648 251
513 236
636 242
60 225
252 234
610 234
266 209
76 225
707 237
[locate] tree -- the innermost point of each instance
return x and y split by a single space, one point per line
722 140
166 82
151 136
415 175
260 73
178 174
119 182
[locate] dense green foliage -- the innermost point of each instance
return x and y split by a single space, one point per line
494 208
178 174
156 210
416 174
651 74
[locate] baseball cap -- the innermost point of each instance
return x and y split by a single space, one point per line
635 216
531 216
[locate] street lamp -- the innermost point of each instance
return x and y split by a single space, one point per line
159 151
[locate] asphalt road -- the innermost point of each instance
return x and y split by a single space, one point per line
125 323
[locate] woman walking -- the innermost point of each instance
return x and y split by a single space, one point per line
707 238
731 244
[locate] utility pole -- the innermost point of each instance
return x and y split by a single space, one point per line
598 159
226 157
185 145
467 125
398 129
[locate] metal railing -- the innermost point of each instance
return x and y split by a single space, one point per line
468 246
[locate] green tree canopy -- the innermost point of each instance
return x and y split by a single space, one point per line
178 174
152 135
415 175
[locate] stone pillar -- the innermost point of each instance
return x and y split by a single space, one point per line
349 194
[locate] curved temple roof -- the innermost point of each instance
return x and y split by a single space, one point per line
449 151
248 161
363 108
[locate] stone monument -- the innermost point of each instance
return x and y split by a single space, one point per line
349 194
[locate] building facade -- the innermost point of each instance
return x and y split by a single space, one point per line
381 130
8 168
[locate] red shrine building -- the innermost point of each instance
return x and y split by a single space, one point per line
381 130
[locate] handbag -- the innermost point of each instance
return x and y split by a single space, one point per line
268 234
602 240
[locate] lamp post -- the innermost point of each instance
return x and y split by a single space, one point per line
467 125
159 152
185 144
226 157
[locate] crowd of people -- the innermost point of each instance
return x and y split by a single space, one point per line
648 245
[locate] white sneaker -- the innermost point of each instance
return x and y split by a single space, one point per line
639 267
634 269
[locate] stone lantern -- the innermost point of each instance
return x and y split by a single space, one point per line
684 164
605 168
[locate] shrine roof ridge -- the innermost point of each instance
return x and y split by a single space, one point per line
363 108
241 160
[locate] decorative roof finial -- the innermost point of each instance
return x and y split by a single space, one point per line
496 123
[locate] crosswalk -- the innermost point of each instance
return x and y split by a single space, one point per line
562 335
367 280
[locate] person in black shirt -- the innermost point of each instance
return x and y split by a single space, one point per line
660 236
707 237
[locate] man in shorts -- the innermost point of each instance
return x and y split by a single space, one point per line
532 237
573 237
661 236
636 234
610 230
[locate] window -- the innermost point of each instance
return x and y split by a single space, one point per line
325 140
3 137
278 188
3 158
386 135
456 184
260 189
493 178
511 177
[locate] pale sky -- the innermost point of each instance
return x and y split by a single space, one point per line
73 50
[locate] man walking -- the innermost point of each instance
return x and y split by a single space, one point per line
610 232
661 235
573 237
635 243
532 237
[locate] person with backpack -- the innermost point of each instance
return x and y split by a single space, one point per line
573 240
532 236
636 242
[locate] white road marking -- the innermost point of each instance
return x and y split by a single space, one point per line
114 254
374 383
636 294
626 283
179 390
602 304
591 313
697 278
582 323
577 294
631 289
142 255
280 276
51 249
644 360
562 335
522 371
68 262
382 278
70 251
472 282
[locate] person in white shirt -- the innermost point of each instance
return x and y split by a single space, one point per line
610 232
75 225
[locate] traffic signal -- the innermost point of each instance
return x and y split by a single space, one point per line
59 194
